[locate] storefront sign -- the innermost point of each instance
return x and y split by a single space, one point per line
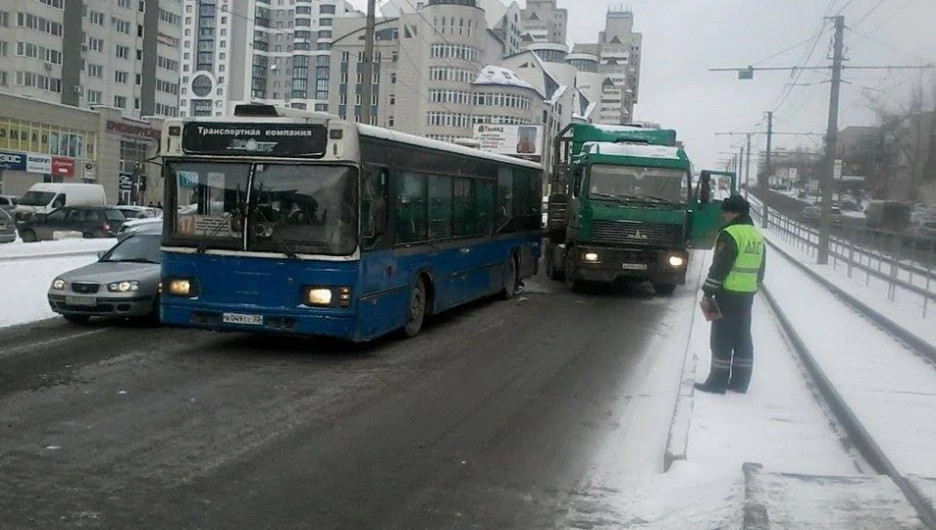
36 163
63 167
125 182
129 129
522 141
89 171
258 139
13 161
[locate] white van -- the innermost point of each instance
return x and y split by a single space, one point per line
47 196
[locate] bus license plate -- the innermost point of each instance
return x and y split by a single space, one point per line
237 318
634 266
81 301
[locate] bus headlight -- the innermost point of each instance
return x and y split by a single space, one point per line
676 261
180 287
590 256
318 296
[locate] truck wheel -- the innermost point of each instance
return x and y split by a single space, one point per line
569 272
664 288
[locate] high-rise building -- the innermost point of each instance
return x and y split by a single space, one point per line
120 53
543 21
618 52
237 51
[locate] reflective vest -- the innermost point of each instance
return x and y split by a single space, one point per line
747 265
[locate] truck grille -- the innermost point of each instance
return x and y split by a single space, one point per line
85 288
636 233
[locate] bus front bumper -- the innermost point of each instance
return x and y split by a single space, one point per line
338 324
606 265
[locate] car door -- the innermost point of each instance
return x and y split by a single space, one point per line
54 222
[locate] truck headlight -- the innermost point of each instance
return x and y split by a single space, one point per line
676 261
58 284
123 287
590 256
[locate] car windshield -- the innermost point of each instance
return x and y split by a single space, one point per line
37 198
293 208
634 183
4 216
114 215
136 249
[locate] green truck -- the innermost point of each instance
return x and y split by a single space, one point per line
624 207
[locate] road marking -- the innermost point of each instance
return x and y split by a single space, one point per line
34 345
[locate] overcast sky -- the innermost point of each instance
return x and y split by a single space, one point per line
684 38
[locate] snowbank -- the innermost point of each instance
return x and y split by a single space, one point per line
63 247
25 283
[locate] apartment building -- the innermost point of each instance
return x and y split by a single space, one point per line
618 53
272 51
119 53
543 21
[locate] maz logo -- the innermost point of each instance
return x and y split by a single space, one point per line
638 235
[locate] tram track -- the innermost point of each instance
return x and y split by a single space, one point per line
859 435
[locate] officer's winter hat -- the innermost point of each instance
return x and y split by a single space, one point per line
736 204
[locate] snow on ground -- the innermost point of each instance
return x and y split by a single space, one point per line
19 249
777 423
24 284
906 309
892 391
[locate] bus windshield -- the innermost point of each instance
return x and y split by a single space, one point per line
637 183
292 208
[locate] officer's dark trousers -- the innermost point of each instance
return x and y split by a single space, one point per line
732 345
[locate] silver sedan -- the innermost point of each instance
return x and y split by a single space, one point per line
7 227
123 283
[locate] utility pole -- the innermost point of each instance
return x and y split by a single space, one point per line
767 171
825 216
367 77
738 170
747 169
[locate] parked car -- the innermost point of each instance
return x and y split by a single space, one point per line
89 222
923 227
123 283
7 227
811 214
148 225
139 212
8 202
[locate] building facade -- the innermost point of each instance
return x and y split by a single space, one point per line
50 142
619 54
543 21
270 51
121 53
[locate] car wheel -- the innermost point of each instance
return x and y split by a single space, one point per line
77 319
28 236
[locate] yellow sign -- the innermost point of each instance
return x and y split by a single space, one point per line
24 136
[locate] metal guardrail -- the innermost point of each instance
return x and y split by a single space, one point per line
851 247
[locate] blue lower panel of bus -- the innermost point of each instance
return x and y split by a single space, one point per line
238 293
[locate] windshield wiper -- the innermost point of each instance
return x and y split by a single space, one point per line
661 199
132 260
287 250
203 246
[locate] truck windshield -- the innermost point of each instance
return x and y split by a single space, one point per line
636 183
293 208
37 198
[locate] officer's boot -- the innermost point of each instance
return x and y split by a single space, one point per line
714 384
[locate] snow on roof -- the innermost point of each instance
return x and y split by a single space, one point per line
632 149
397 136
556 95
618 128
496 75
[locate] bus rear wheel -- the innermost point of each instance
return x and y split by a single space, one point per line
416 314
510 279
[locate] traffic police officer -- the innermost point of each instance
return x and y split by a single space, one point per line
734 278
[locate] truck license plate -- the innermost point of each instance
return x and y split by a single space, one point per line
83 301
634 266
237 318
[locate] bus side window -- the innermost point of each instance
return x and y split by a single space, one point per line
374 205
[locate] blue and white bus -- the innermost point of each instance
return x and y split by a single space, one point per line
302 223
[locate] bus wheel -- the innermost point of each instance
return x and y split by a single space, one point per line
510 278
417 309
